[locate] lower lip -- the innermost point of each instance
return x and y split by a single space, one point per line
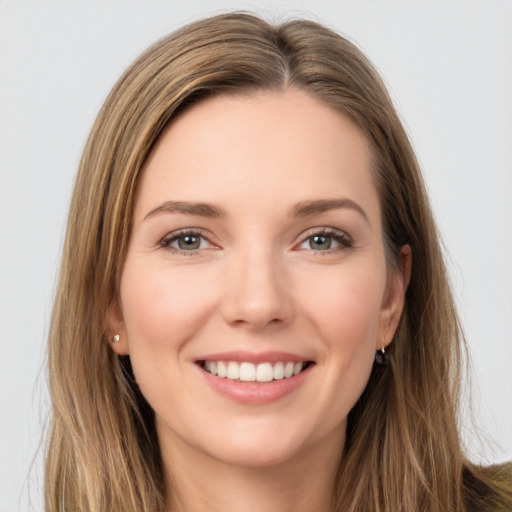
256 393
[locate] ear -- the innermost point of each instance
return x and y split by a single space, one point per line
116 327
394 298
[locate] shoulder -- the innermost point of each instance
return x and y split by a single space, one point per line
490 488
500 474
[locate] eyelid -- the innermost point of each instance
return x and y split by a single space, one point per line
166 241
340 236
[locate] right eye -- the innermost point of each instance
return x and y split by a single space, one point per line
186 242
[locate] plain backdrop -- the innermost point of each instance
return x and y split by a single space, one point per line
449 68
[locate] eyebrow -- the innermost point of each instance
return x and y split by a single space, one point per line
301 209
306 208
188 208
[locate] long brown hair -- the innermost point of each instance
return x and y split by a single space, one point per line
403 449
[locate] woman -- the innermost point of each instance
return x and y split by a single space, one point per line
253 311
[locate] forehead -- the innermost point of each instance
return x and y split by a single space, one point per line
279 147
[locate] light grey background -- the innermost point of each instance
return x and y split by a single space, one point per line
449 67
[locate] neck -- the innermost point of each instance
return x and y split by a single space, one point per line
200 483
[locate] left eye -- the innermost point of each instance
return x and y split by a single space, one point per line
319 242
325 242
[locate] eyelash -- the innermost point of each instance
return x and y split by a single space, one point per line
338 236
166 242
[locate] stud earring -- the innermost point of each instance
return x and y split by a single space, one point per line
115 338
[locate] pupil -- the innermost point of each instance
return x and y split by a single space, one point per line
321 242
188 242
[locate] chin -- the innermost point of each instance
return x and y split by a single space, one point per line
268 443
256 454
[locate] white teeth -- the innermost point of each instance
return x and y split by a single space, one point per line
264 372
221 369
233 372
249 372
278 371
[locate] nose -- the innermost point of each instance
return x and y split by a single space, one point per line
258 292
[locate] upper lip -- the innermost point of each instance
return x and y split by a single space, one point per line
254 357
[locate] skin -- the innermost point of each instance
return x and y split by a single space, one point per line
258 283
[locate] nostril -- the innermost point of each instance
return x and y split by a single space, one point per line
258 300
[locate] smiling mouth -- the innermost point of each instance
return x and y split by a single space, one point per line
250 372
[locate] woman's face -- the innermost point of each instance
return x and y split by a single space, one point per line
255 290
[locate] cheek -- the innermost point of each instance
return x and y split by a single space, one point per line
342 307
162 306
346 303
